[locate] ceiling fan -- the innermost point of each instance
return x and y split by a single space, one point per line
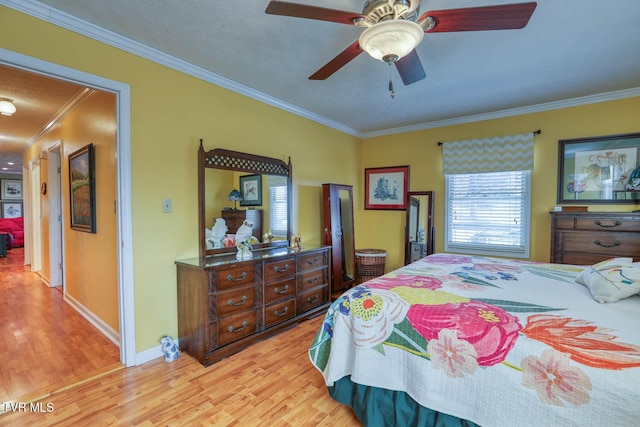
393 28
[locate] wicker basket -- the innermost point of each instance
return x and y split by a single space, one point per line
369 264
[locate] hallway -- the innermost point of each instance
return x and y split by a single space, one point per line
44 344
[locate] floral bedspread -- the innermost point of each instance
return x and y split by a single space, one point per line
497 342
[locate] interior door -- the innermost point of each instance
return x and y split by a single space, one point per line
54 191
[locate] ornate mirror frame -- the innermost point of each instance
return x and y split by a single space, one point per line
219 158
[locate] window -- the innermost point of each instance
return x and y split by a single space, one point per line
278 210
488 213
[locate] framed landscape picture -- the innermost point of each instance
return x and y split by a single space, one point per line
386 188
82 189
11 189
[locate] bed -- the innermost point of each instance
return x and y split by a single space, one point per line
454 340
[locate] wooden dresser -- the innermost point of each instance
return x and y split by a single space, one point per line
235 217
585 238
226 305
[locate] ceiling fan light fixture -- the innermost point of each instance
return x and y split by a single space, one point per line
391 39
6 107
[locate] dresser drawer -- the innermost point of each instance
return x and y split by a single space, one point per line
280 290
235 327
233 301
232 277
277 270
313 261
312 299
278 312
607 224
577 258
313 279
608 244
564 223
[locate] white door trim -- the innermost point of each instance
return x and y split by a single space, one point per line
56 235
122 91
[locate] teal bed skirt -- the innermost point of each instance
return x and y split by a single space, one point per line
377 407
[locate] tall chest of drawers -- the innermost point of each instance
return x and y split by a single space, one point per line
224 304
585 238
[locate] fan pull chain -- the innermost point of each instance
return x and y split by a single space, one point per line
392 91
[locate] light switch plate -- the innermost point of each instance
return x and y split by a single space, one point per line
166 205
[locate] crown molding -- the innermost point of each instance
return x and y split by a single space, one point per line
64 20
72 23
555 105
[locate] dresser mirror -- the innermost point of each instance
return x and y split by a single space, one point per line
419 226
220 172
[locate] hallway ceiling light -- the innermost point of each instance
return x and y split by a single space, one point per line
6 107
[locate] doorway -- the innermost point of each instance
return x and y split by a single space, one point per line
121 91
34 215
56 248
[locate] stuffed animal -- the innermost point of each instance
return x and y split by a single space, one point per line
170 348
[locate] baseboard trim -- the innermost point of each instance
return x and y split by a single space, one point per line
99 324
149 354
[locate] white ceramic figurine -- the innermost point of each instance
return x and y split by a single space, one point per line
170 348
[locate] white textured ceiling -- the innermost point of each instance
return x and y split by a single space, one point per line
571 51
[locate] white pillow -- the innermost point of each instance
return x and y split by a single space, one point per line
611 280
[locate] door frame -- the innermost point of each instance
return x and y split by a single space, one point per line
122 92
56 235
34 215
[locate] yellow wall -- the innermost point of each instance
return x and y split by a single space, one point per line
91 267
420 150
164 144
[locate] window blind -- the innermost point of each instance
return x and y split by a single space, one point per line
488 213
278 205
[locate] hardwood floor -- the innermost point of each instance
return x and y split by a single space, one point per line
44 343
271 383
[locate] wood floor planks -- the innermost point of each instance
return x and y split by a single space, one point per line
252 388
44 343
271 383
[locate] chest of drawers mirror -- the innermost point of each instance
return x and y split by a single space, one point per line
585 238
224 304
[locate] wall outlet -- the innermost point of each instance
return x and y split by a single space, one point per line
166 205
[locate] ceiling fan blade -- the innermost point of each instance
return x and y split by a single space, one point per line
500 17
338 62
311 12
410 68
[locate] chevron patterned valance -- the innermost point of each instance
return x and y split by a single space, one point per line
497 154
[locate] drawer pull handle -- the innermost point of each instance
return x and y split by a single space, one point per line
313 261
233 279
314 280
242 301
281 270
615 224
277 313
232 329
314 299
283 291
616 243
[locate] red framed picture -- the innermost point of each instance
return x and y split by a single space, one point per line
386 188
